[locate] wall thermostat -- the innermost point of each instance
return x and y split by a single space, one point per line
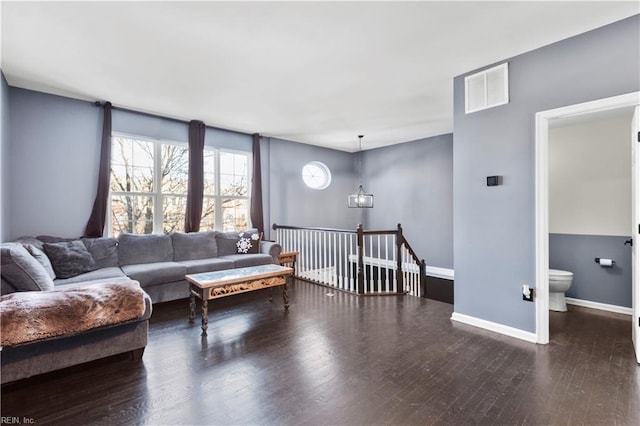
494 180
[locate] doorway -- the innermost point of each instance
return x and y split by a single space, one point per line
543 119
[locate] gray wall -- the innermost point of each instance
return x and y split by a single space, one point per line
293 203
413 185
4 149
576 253
53 158
494 251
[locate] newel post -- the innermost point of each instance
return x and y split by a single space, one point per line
360 277
423 277
399 274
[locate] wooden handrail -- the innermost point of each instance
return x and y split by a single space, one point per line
306 228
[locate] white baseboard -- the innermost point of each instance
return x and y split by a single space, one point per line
601 306
444 273
493 326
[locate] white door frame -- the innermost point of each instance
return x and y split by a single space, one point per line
635 221
542 195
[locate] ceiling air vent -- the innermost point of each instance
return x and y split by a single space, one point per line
487 88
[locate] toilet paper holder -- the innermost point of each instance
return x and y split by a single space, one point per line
604 262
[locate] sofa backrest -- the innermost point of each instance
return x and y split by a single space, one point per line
104 250
194 245
150 248
227 243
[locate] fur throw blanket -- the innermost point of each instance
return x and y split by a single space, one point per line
30 316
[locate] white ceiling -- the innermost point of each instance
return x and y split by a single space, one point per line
313 72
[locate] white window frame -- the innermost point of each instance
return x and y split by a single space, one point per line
158 214
156 195
484 74
218 197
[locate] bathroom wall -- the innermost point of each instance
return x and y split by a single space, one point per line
590 205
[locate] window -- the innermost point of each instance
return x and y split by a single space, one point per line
486 89
226 184
316 175
149 181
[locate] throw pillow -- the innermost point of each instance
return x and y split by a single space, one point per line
69 258
22 270
248 242
41 257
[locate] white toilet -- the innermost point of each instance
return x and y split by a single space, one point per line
559 283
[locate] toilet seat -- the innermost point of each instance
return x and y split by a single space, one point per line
558 275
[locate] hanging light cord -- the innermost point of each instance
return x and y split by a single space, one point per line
360 161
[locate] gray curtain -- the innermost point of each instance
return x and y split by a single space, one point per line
195 186
97 220
257 215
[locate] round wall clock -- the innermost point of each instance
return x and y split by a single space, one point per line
316 175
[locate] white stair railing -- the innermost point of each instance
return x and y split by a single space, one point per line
362 262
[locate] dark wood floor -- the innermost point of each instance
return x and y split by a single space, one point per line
346 360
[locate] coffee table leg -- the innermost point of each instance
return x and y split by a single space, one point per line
285 296
192 308
205 317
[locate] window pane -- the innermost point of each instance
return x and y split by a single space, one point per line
173 213
131 214
209 172
207 223
131 165
235 214
142 179
175 169
234 174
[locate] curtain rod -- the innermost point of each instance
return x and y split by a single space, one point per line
101 103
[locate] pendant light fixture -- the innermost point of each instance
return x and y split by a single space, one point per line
360 199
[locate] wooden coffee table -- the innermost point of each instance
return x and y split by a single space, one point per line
214 285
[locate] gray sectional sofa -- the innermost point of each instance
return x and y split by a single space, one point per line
158 263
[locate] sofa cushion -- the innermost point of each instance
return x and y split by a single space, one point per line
22 270
194 245
149 274
244 260
69 258
151 248
227 243
98 274
248 242
104 250
197 266
41 257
